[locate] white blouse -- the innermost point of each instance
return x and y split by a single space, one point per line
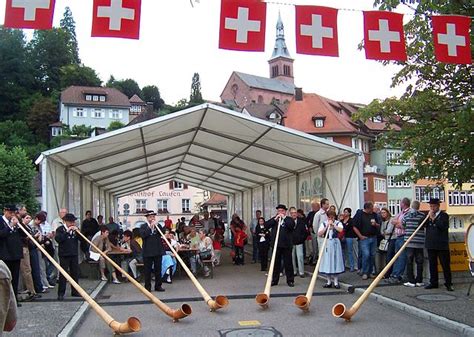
324 224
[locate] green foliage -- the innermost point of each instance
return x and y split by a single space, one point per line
79 75
79 131
129 87
115 125
16 74
16 178
435 112
196 96
17 134
42 113
69 26
151 93
50 51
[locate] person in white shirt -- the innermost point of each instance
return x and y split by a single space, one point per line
319 218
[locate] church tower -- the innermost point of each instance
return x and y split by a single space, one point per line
281 63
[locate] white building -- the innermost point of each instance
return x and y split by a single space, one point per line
93 106
173 199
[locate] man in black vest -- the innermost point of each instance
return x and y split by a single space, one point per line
68 244
11 247
284 245
437 244
152 250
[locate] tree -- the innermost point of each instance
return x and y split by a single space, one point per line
115 125
68 24
196 96
151 93
79 75
16 74
435 112
50 50
17 134
16 178
129 87
42 113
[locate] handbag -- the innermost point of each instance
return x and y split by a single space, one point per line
205 254
383 245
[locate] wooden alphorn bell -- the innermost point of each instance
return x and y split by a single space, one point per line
175 314
262 299
132 325
339 310
303 301
220 301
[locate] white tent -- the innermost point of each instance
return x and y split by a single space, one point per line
255 163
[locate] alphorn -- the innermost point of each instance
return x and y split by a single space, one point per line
175 314
339 310
132 325
262 299
220 301
303 301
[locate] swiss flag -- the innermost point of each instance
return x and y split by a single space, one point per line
35 14
116 18
242 25
451 38
316 30
384 38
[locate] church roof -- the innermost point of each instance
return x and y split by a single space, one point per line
265 83
280 49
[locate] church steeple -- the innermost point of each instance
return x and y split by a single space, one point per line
281 63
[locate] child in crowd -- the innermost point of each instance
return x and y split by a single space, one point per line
239 242
217 245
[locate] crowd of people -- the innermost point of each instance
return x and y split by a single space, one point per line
363 243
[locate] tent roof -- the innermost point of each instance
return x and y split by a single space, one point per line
206 146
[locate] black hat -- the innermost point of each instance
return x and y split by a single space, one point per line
147 213
434 201
69 217
281 206
10 207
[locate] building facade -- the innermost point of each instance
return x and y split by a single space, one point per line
93 106
173 199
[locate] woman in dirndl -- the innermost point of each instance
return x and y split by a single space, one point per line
333 263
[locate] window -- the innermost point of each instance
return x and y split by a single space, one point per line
260 99
141 205
177 185
366 184
88 97
56 131
95 98
162 206
319 122
98 113
377 119
394 206
78 112
185 205
102 98
456 223
461 198
424 194
356 143
274 71
365 146
380 185
392 182
380 204
393 158
286 70
116 114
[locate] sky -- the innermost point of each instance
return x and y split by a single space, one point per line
177 40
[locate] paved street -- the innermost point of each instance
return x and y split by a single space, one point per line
240 284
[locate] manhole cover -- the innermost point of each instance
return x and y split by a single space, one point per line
261 331
436 298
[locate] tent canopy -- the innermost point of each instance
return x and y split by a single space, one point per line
206 146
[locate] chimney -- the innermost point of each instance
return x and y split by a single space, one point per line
298 94
149 106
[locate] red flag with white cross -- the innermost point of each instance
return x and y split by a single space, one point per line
451 38
384 38
116 18
34 14
316 30
242 25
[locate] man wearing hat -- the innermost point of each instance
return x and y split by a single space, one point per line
152 250
68 243
284 245
11 246
437 245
